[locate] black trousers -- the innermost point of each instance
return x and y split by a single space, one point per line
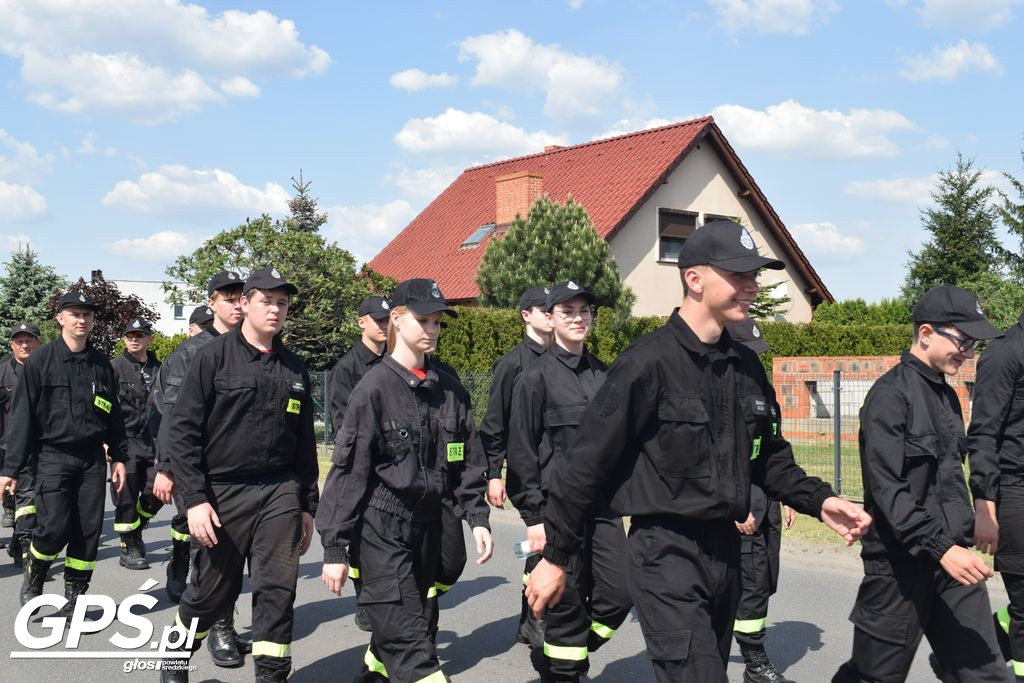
25 499
398 561
136 500
759 577
179 523
684 580
69 510
596 600
1010 562
893 612
260 523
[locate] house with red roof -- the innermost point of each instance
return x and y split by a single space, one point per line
645 193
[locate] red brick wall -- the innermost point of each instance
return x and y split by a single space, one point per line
516 193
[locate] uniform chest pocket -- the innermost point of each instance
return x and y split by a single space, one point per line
756 415
564 416
295 398
450 447
684 438
236 396
398 440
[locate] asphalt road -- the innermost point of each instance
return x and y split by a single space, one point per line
809 635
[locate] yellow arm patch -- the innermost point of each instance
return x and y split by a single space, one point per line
294 406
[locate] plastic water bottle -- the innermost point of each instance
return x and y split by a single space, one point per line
522 550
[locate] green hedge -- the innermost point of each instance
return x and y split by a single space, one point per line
162 345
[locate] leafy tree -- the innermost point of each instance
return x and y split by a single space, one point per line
26 288
963 233
767 304
1002 299
555 242
858 312
322 318
1011 213
113 313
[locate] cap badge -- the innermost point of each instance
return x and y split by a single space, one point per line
434 291
209 311
274 273
547 291
572 285
232 276
977 305
81 297
136 324
384 305
756 332
23 326
746 240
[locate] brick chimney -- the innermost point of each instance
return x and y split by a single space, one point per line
516 193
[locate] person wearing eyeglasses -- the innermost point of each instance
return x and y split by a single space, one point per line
548 400
920 575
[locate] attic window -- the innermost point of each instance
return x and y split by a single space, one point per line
673 229
478 236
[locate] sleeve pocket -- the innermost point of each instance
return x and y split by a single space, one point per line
344 448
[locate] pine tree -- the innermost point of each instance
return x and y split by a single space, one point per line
554 243
26 288
767 304
1012 215
303 208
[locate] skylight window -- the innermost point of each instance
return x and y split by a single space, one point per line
478 235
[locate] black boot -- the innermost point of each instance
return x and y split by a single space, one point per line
267 674
14 550
131 554
174 670
362 621
72 589
759 668
35 576
531 631
222 644
177 570
7 521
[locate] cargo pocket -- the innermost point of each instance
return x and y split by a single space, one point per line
668 645
887 628
683 438
379 590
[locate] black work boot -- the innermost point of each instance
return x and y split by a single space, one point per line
531 631
269 674
7 521
72 589
177 570
363 621
759 668
174 670
35 576
131 555
14 550
222 643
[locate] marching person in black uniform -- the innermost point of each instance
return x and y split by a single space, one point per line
65 410
24 342
548 401
243 453
760 544
996 443
221 314
408 440
668 440
920 575
135 370
202 316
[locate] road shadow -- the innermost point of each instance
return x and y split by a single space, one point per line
462 653
339 666
636 669
309 616
788 642
465 589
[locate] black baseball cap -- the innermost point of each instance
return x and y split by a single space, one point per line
422 296
949 304
377 307
564 291
138 325
266 279
223 280
74 298
201 315
748 334
534 296
29 328
727 245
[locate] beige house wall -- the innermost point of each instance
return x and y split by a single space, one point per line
701 184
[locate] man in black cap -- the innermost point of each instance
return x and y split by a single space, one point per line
65 410
920 575
24 342
243 453
202 316
367 352
224 291
668 440
135 369
760 544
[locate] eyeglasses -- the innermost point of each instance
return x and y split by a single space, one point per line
569 316
963 344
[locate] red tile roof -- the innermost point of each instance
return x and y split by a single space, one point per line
610 178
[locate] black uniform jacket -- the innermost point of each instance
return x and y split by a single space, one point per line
670 435
65 402
166 389
404 445
10 374
344 377
996 434
548 403
134 382
243 416
912 449
494 427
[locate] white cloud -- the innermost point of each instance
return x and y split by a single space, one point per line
574 86
88 55
21 160
424 183
457 131
791 128
175 190
977 15
20 202
945 64
825 239
9 243
157 247
88 146
772 16
575 4
414 80
913 191
365 230
631 125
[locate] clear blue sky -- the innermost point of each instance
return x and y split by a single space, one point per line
131 130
